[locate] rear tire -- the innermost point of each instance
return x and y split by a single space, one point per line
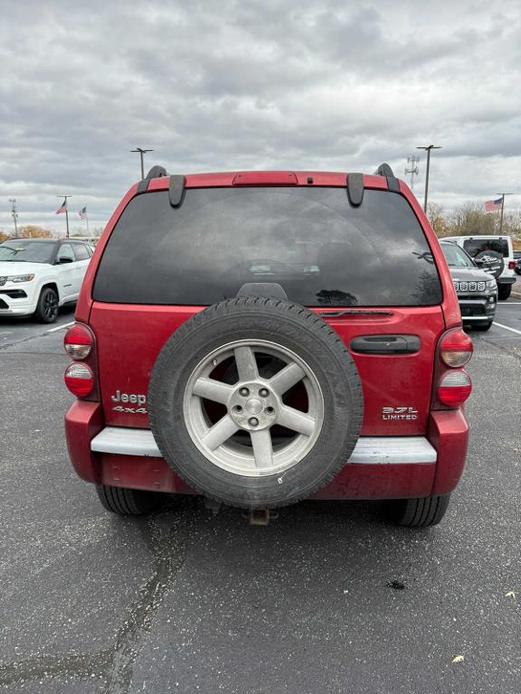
504 291
127 502
47 306
418 513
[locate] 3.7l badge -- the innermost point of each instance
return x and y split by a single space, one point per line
399 413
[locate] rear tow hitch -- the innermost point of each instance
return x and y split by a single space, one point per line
260 516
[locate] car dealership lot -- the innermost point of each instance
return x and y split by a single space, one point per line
326 598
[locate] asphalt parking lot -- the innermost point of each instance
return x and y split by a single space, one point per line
327 598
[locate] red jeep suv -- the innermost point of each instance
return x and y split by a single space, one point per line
264 337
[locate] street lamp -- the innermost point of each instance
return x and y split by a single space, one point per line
428 149
141 152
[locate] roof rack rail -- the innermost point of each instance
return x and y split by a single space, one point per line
384 170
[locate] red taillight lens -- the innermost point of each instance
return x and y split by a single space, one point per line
455 388
78 341
79 379
456 348
512 264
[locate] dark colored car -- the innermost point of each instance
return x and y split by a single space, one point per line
258 338
476 289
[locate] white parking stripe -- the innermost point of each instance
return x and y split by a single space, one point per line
61 327
511 303
506 327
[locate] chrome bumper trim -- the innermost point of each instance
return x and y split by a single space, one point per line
369 450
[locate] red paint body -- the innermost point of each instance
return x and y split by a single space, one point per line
126 365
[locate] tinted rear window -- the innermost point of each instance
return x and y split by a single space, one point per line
322 251
475 246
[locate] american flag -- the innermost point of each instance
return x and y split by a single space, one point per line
493 205
63 208
83 213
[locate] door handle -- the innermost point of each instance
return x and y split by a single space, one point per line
386 344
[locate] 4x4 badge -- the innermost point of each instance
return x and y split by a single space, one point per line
129 399
399 413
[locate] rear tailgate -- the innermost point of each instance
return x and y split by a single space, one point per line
396 387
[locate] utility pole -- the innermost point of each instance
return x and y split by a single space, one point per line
428 149
65 198
412 168
141 153
14 215
502 209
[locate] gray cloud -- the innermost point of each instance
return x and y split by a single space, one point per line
272 84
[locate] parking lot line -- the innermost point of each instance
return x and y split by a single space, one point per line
506 327
61 327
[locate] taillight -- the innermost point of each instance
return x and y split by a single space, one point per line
79 379
78 341
456 348
512 264
454 388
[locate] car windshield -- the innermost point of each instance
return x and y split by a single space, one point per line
455 256
27 251
310 241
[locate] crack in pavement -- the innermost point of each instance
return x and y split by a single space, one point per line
115 665
169 554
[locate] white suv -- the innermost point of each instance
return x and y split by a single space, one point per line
486 249
37 276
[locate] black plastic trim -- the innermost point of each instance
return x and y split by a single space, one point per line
157 172
384 170
355 188
142 186
176 190
393 184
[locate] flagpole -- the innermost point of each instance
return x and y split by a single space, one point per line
65 198
502 210
87 220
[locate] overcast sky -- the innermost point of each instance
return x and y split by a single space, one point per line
223 85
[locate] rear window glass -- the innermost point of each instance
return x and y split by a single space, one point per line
322 251
475 246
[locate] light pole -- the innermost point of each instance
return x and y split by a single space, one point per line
14 215
428 149
502 208
141 152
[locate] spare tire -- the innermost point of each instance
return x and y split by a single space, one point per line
493 262
255 402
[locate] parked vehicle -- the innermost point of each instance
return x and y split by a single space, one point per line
264 337
476 290
495 254
37 276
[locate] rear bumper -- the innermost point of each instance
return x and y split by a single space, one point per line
379 468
